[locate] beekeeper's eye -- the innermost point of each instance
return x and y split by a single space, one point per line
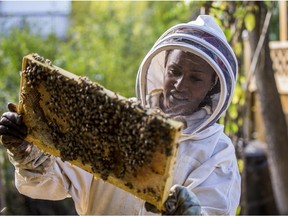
195 78
173 71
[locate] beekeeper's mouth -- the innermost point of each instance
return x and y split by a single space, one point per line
177 97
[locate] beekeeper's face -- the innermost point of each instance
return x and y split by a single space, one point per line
187 80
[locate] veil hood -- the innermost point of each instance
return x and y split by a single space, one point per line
204 38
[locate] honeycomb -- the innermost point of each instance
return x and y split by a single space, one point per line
108 135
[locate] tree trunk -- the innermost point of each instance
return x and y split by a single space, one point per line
273 116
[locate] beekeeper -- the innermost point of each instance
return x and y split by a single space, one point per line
190 75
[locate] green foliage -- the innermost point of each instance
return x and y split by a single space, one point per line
13 46
108 40
274 26
250 21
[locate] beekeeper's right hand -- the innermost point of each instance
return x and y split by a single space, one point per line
13 132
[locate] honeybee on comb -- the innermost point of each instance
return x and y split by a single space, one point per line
110 136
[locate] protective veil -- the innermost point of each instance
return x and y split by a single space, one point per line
206 162
204 38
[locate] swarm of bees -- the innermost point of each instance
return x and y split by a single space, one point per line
110 136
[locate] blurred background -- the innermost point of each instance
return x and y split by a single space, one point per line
106 42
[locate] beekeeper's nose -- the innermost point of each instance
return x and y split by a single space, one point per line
180 83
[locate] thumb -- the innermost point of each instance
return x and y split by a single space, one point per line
171 203
12 107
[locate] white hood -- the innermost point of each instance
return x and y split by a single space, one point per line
204 38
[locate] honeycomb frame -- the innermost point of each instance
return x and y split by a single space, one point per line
110 136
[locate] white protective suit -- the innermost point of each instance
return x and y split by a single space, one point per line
206 161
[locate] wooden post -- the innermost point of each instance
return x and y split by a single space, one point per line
283 20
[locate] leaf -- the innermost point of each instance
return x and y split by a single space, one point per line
250 21
234 128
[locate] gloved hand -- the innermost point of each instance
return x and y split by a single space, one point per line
181 201
13 133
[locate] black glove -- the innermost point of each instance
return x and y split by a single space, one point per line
181 201
13 133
